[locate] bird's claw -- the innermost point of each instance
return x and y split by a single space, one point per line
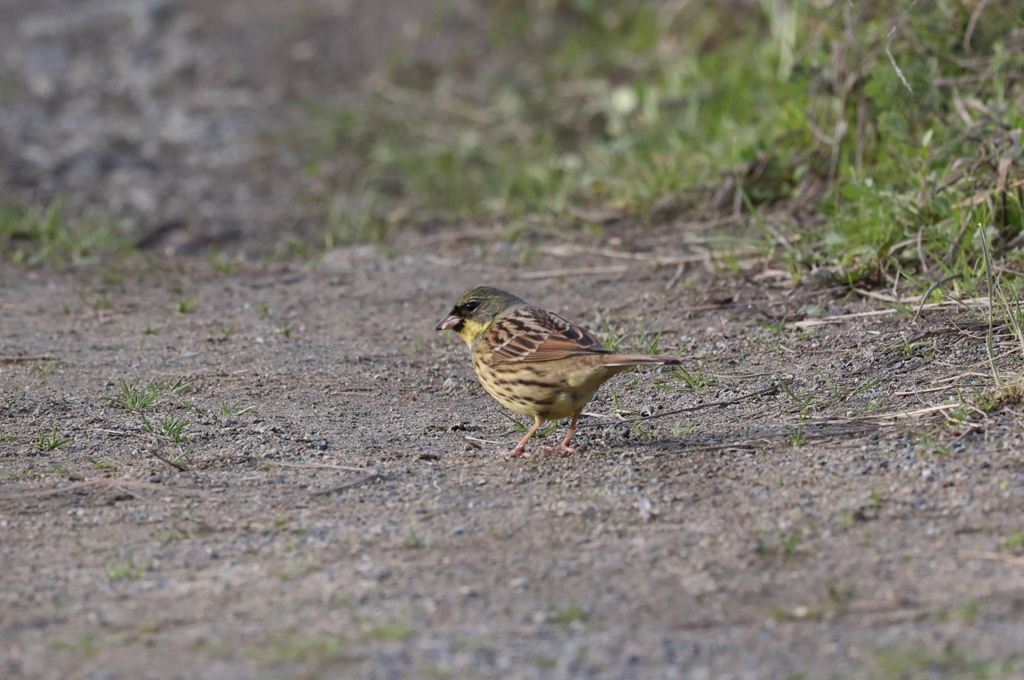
563 448
518 452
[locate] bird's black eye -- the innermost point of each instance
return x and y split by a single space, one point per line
470 306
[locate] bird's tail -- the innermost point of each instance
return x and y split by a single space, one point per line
640 360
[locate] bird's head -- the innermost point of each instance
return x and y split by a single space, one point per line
474 311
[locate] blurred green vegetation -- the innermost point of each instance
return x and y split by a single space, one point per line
47 234
850 140
790 109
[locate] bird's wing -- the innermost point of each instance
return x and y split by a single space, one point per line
531 334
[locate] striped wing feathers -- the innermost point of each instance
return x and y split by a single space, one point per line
529 334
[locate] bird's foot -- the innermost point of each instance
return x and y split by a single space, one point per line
561 448
518 452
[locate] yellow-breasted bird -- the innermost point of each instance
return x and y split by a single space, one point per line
532 361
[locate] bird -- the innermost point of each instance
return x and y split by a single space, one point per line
534 362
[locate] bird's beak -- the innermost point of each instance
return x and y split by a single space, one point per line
447 323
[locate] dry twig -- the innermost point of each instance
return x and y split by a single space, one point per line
581 271
888 45
990 555
759 393
844 318
320 466
347 485
24 360
123 485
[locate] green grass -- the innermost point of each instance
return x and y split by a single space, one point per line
184 305
223 264
48 234
569 613
136 397
390 630
911 664
125 569
322 650
293 647
631 108
85 645
694 381
172 428
48 441
229 409
522 427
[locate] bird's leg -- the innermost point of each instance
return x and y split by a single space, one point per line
564 446
520 449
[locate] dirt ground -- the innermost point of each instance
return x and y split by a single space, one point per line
335 516
282 471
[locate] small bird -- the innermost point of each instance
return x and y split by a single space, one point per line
532 361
